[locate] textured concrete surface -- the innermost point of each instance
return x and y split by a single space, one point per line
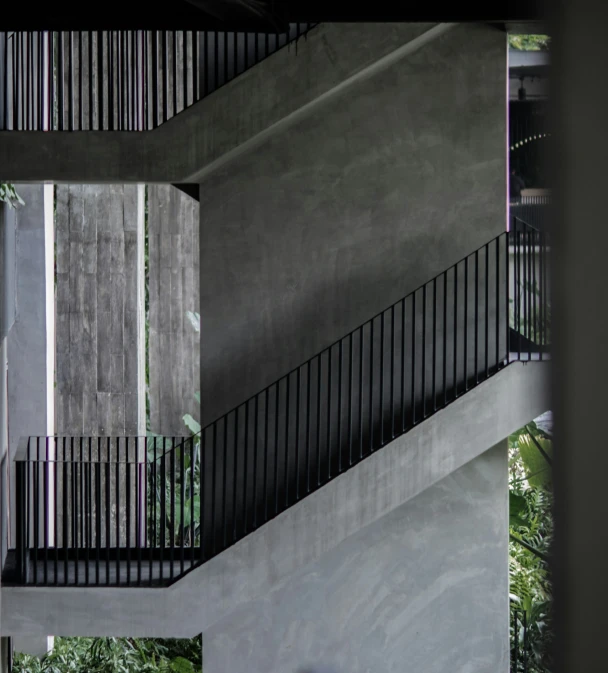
178 150
388 184
100 324
174 345
304 533
427 584
98 317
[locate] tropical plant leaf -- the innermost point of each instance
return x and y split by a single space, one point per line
538 470
191 424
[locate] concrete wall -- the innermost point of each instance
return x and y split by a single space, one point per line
100 335
303 534
99 315
360 201
173 272
425 588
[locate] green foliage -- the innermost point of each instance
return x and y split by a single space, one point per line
116 655
531 522
9 195
530 42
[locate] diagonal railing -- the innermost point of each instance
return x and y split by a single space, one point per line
120 80
129 511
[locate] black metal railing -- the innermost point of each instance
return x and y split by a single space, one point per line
144 511
121 80
533 210
519 642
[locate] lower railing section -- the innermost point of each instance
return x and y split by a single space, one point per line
143 511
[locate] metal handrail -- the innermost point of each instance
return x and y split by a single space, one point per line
348 401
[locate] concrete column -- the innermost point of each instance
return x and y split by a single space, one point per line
31 341
174 344
100 322
427 584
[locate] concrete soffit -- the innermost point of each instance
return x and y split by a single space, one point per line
313 105
184 149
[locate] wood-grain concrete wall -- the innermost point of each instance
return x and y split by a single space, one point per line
174 345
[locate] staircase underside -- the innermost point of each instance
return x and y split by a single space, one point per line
251 568
270 97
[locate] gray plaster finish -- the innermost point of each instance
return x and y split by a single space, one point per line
303 534
388 184
174 345
224 122
99 321
426 584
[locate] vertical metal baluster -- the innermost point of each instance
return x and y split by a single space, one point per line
182 504
51 119
91 106
392 415
328 446
423 371
339 409
107 512
286 464
476 316
245 468
65 516
350 396
27 82
117 470
515 643
507 297
100 70
5 80
138 513
517 299
36 505
534 288
433 369
235 473
89 509
308 390
55 504
80 83
45 488
174 72
413 358
361 330
382 378
172 514
445 336
319 419
165 76
255 464
216 63
185 66
202 446
266 423
98 511
225 40
402 366
192 529
128 513
213 488
75 509
82 504
525 647
497 309
206 63
195 84
71 82
163 513
111 76
154 78
225 482
371 386
40 84
487 308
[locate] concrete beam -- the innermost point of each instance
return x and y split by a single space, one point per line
301 535
266 99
